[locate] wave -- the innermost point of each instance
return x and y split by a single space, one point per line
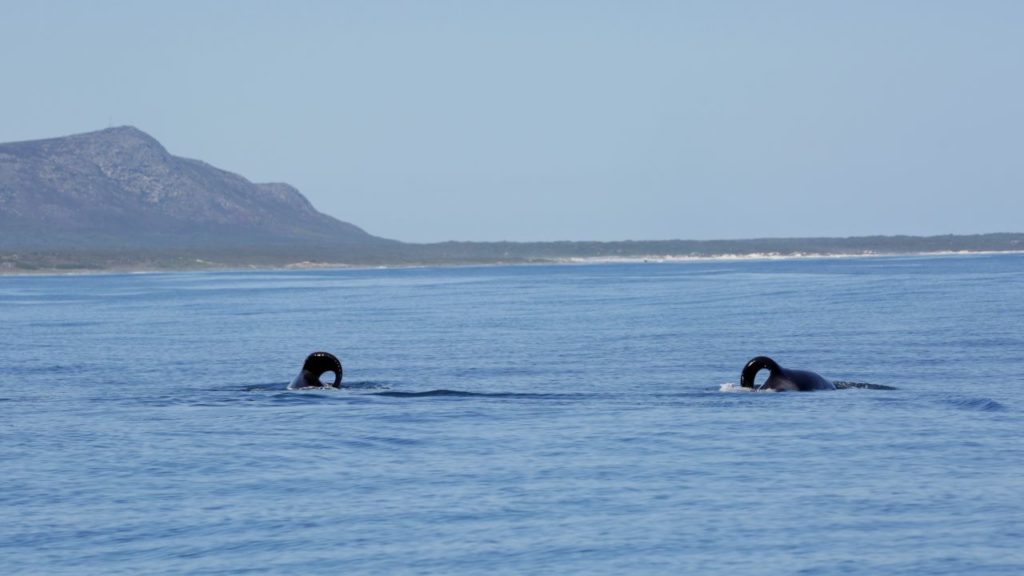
462 393
370 388
975 404
839 384
283 386
669 258
843 385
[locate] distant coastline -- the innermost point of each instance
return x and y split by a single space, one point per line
8 267
116 200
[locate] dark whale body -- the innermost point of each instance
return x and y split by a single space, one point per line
781 379
316 365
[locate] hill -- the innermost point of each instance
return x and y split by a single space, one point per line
119 189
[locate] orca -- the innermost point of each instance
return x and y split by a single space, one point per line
316 365
782 379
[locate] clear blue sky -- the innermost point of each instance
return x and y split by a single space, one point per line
588 120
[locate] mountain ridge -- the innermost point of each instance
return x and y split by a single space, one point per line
119 186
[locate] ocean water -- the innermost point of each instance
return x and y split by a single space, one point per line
576 419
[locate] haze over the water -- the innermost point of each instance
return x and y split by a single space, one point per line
429 121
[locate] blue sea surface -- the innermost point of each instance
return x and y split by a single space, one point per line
554 419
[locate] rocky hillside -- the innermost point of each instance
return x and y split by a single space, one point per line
120 189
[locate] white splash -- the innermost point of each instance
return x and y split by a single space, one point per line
731 387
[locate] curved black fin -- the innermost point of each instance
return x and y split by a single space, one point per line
316 365
754 366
